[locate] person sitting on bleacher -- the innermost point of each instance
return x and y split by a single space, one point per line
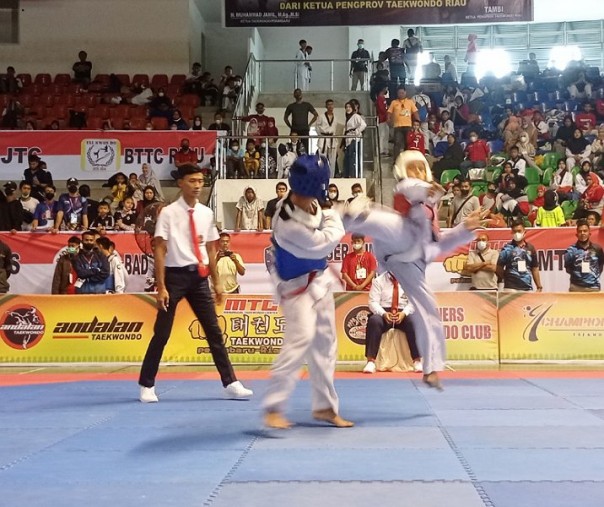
125 217
517 161
451 159
581 177
541 127
578 149
104 220
513 202
580 88
160 105
597 152
562 183
564 134
592 199
510 129
477 154
586 120
527 150
178 121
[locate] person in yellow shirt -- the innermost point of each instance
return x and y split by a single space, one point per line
228 265
401 113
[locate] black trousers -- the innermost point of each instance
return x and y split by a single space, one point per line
182 283
377 326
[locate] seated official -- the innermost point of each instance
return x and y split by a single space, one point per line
384 291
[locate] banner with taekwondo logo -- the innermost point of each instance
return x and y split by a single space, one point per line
240 13
97 155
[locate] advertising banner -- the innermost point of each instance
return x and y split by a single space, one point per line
551 326
34 257
374 12
117 328
97 155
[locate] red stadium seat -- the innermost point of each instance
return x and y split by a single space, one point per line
25 79
47 100
62 79
173 91
124 79
102 110
89 100
141 79
121 111
43 79
59 111
38 110
159 80
35 89
159 123
74 88
101 78
139 123
178 79
57 89
94 123
26 100
187 100
138 112
65 100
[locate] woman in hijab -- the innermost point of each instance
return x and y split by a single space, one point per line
550 214
148 178
527 150
581 177
577 148
562 183
592 199
564 133
149 197
250 211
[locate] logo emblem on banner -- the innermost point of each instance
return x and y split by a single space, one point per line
355 324
22 327
101 155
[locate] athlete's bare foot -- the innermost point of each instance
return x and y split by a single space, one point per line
277 421
328 415
432 380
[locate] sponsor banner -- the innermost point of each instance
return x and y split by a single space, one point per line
245 13
551 326
470 324
38 329
34 255
96 155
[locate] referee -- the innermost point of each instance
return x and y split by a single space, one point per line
185 251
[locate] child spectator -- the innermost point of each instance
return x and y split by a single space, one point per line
125 217
104 221
550 214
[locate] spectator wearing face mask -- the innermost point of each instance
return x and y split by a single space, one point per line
46 211
518 265
65 276
482 264
477 154
160 105
359 266
527 150
197 124
333 193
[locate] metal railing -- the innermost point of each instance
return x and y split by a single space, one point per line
271 162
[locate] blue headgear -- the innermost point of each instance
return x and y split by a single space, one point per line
309 176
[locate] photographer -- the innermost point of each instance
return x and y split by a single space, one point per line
228 265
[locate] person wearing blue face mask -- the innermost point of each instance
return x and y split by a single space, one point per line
358 65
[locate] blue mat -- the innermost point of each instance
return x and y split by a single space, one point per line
516 443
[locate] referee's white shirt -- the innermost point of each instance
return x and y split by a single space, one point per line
173 226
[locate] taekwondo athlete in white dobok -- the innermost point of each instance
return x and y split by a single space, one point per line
406 239
303 236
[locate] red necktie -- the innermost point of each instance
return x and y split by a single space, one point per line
394 305
201 267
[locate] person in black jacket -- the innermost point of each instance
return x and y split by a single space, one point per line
37 176
5 267
451 159
91 267
11 210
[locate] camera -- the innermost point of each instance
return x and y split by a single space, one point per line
227 253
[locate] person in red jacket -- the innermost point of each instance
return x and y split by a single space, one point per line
477 154
416 140
359 266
